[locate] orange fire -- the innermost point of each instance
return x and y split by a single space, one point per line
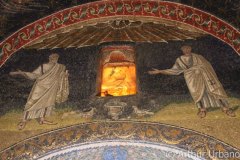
118 80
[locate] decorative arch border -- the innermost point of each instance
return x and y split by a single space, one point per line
130 131
138 8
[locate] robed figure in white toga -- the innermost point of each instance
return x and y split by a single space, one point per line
203 84
51 86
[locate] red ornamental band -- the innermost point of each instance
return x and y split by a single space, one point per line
104 9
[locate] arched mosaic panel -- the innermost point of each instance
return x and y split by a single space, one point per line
120 140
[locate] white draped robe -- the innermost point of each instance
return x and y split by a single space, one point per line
51 86
203 84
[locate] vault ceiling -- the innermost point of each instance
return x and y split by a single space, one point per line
115 30
14 14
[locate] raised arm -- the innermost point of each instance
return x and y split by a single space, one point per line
29 75
154 71
175 70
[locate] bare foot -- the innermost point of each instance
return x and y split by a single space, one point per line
229 112
202 113
21 125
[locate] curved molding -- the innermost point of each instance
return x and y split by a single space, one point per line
94 132
104 9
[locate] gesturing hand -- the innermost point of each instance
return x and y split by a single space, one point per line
18 72
154 71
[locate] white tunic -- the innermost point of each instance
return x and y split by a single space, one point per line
201 80
51 86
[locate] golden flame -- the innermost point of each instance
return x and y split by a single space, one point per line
118 80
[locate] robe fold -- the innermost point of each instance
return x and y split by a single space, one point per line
201 79
51 86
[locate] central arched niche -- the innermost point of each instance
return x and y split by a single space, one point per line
117 71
